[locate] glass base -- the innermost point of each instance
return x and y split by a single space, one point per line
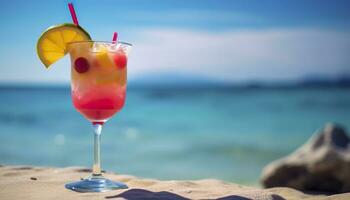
95 184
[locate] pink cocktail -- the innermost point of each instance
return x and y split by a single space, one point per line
98 87
98 75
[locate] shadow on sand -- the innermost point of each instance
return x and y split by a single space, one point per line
140 194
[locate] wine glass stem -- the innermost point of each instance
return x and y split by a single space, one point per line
96 168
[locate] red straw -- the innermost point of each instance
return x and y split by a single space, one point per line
72 13
115 36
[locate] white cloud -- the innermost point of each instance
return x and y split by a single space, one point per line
234 55
241 55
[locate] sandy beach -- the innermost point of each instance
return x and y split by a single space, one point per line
26 182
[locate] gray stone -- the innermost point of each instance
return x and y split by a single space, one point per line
321 164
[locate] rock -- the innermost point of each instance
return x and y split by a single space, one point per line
322 164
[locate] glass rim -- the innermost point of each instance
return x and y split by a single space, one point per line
99 41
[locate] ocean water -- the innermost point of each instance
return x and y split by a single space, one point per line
170 133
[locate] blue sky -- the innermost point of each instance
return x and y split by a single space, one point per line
238 40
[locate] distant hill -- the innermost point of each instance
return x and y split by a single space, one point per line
342 81
188 80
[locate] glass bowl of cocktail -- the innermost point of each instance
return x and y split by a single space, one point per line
98 78
98 85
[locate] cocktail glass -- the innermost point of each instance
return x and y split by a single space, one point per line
98 87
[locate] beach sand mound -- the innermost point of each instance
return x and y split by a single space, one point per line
20 182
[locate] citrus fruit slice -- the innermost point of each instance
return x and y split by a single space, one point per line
103 59
52 44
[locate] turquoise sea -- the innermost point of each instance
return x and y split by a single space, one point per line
227 133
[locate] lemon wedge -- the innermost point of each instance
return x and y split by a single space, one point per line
52 44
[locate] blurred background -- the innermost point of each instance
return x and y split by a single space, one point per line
217 89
